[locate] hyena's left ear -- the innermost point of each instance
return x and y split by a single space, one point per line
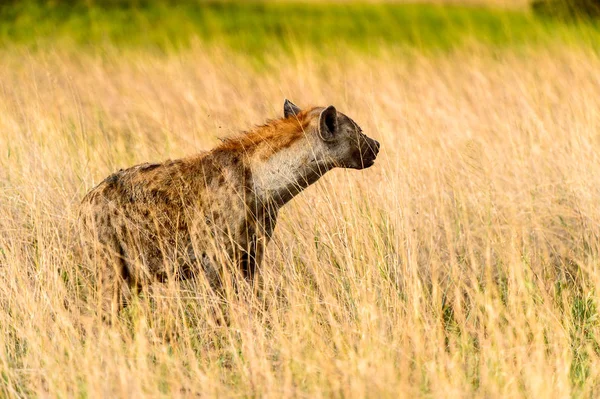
328 123
290 109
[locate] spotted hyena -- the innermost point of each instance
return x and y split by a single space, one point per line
156 221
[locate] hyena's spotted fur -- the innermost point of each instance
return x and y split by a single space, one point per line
155 221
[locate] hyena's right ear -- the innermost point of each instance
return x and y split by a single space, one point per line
290 109
328 123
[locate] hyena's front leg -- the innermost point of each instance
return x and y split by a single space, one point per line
259 235
249 259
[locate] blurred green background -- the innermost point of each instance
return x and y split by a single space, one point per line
259 27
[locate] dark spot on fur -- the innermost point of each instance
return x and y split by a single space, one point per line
112 179
112 182
149 166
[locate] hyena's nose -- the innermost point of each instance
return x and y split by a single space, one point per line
377 146
374 147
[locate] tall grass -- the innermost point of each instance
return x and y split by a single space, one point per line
464 263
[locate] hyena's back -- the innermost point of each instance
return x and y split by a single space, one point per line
140 220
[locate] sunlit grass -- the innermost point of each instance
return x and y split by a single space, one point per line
464 263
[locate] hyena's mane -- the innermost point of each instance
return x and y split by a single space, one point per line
279 133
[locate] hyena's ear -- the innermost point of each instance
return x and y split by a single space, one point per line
290 109
328 123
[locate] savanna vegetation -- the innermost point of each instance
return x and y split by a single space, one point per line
464 263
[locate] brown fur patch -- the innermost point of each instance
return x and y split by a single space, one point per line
279 133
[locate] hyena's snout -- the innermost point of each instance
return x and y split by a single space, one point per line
369 149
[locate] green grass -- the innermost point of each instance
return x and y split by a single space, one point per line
260 27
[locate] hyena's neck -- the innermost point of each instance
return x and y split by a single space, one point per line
284 173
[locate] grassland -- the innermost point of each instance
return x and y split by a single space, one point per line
463 264
259 27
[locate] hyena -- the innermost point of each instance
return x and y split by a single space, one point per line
194 215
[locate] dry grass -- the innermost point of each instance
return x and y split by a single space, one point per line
464 263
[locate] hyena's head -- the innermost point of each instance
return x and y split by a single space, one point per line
337 139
